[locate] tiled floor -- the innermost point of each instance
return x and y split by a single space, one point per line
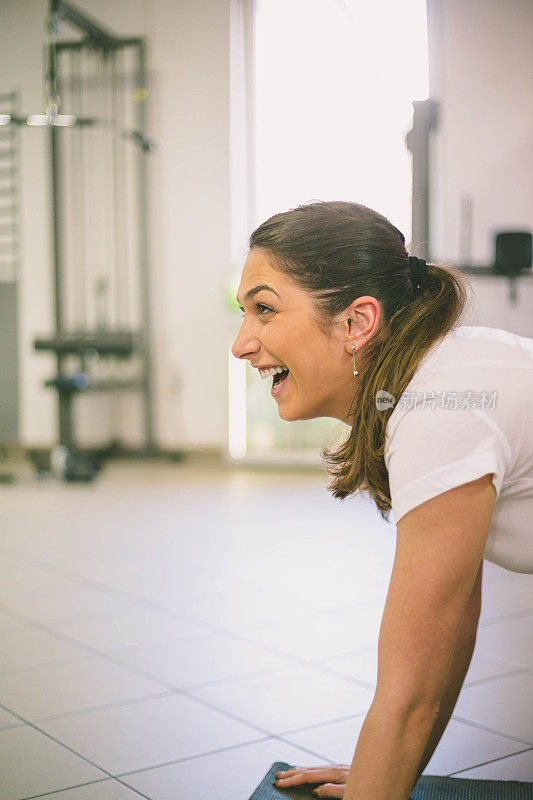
169 632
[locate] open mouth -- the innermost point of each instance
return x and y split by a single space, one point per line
279 377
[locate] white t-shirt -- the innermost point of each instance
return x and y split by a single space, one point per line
468 411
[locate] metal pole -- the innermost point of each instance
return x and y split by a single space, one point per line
65 398
143 254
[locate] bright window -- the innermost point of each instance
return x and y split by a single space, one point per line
334 82
334 86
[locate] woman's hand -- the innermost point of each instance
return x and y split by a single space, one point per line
333 779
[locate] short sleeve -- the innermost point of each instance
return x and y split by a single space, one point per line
431 450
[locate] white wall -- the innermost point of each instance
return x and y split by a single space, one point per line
481 72
188 57
481 75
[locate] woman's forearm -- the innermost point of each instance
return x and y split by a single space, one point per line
458 670
388 753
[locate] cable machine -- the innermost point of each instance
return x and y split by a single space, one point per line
99 212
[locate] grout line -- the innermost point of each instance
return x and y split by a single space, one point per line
490 730
108 655
105 706
482 681
214 629
117 777
226 749
136 792
196 756
142 602
43 665
62 744
14 628
321 724
105 589
347 653
492 761
172 689
65 789
486 623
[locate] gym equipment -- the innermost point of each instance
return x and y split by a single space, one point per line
98 149
427 787
10 244
513 252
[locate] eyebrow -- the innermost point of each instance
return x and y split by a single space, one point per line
252 292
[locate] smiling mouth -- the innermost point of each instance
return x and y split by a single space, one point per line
279 377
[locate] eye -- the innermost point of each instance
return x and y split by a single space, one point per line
258 306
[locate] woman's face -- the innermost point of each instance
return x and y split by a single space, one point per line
279 329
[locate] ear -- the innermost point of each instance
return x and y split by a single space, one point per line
361 320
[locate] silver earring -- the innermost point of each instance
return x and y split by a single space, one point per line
355 372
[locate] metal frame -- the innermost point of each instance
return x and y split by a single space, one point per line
98 37
425 119
9 268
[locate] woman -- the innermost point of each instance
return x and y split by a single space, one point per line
439 433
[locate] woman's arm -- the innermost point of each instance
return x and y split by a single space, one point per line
336 776
388 752
462 657
391 734
423 655
439 551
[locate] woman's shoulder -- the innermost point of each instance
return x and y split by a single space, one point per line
471 367
468 352
483 338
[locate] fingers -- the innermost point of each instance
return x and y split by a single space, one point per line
303 772
330 790
299 775
292 770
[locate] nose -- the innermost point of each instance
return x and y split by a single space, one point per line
245 346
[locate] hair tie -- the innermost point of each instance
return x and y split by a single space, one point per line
418 270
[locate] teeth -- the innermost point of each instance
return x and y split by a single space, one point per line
266 373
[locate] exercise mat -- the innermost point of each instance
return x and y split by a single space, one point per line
428 787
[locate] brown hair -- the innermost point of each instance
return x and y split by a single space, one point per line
338 251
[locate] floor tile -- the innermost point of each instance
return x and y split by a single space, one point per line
334 741
31 763
139 735
9 622
41 605
22 576
144 627
463 746
513 768
460 747
191 661
248 608
169 555
327 633
29 647
510 641
227 775
507 600
482 669
287 700
65 688
504 705
8 720
103 790
507 597
361 665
